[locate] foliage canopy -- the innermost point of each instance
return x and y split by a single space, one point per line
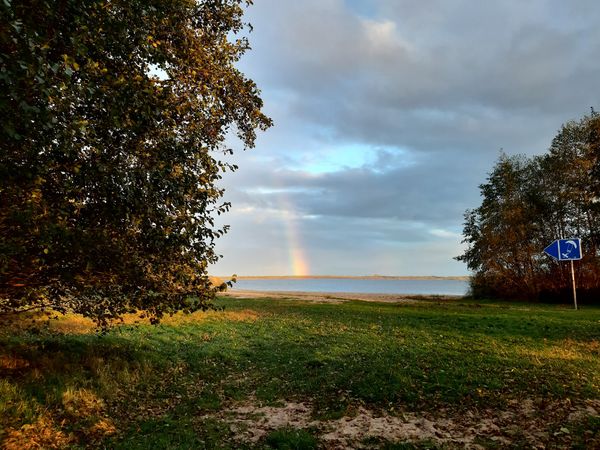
527 204
114 117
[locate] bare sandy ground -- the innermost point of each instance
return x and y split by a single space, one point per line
529 423
338 297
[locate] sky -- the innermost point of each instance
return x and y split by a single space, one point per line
388 115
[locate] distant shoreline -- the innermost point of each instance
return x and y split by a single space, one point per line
340 297
346 277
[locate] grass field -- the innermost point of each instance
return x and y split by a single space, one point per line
288 374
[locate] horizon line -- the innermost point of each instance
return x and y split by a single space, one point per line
374 276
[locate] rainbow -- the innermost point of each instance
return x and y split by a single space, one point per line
298 263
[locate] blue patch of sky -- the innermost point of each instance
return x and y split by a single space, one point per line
334 159
347 156
362 8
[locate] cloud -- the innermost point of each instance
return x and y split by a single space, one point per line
388 115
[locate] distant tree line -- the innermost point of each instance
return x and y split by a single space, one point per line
528 202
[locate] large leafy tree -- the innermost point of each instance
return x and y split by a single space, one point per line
113 120
529 202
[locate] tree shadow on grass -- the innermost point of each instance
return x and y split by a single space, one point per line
68 385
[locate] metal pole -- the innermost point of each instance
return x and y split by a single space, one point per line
573 279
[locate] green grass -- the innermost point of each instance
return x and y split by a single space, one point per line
291 439
165 385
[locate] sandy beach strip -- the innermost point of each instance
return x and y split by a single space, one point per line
337 297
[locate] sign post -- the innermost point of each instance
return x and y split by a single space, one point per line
574 290
566 250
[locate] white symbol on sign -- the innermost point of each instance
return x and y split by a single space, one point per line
571 245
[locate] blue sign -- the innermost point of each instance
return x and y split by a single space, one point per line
565 249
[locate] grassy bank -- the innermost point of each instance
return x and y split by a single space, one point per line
528 373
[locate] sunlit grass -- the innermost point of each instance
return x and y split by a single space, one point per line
139 383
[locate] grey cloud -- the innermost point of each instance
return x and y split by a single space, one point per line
485 55
446 83
365 247
431 191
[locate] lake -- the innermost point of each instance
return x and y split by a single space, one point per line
354 285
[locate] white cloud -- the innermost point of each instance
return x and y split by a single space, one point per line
445 234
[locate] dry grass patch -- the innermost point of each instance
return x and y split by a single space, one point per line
44 433
567 350
104 427
12 362
82 403
245 315
72 324
77 324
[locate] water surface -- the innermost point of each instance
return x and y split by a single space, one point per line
352 285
